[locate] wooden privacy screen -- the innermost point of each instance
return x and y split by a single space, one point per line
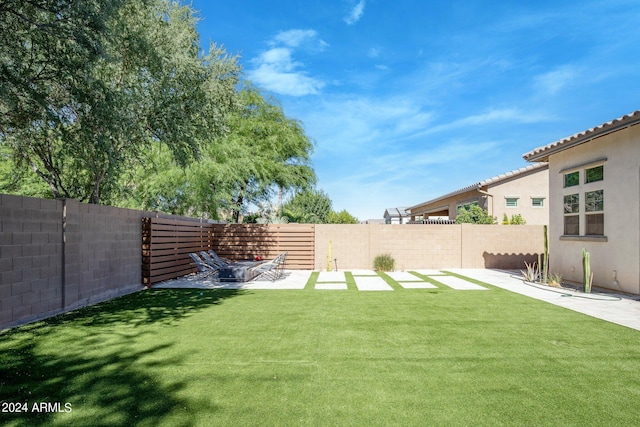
166 244
246 241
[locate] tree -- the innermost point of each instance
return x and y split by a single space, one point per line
342 217
265 152
310 206
98 105
475 215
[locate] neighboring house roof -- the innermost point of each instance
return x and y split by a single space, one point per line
484 183
396 212
541 154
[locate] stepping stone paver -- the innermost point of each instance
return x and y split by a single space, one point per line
458 284
403 276
332 276
430 272
372 284
417 285
331 286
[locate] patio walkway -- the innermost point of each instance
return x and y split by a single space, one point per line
621 309
611 307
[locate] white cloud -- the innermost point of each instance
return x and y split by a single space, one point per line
297 38
275 69
356 13
554 81
373 52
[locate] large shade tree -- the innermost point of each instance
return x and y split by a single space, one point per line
264 152
89 87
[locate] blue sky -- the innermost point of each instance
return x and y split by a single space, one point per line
409 100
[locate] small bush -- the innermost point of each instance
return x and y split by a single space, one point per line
384 262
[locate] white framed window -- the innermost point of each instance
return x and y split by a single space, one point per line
571 179
594 212
511 202
537 202
572 215
584 210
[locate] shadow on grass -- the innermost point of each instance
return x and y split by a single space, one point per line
149 306
101 362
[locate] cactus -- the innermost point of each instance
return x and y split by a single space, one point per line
587 276
545 268
329 266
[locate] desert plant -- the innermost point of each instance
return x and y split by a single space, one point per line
587 275
545 268
505 219
384 262
555 279
531 274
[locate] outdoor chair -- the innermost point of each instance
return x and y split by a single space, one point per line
273 269
218 259
204 269
216 263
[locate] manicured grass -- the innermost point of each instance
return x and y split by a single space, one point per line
407 357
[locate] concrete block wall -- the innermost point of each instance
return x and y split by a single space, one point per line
418 246
58 255
31 254
506 247
102 252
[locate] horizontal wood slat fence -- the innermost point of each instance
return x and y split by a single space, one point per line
166 244
246 241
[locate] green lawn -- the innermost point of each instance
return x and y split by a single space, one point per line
309 357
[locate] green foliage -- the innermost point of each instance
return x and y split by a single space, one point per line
109 80
384 262
310 206
342 217
516 219
474 215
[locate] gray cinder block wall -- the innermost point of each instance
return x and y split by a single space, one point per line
58 255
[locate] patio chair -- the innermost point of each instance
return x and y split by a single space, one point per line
218 259
208 259
273 269
204 269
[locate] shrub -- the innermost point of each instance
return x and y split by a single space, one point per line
384 262
475 215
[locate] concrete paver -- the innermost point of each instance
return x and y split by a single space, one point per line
372 284
459 284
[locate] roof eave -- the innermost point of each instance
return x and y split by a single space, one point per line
541 154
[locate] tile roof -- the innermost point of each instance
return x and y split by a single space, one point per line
542 153
485 182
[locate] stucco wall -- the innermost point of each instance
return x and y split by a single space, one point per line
525 187
621 185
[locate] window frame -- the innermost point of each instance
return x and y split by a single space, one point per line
586 206
533 203
512 199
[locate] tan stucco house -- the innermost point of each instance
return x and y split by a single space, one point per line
523 191
594 203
